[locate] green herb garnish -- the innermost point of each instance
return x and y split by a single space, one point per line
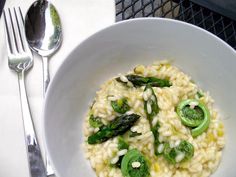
121 105
95 122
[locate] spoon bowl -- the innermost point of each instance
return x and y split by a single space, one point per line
44 33
43 28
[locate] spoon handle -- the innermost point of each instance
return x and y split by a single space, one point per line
46 80
46 77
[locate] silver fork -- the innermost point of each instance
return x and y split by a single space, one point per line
20 60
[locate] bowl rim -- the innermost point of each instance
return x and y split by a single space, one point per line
157 19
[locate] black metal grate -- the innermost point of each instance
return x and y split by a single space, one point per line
183 10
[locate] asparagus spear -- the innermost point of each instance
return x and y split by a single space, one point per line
116 127
150 105
151 108
139 81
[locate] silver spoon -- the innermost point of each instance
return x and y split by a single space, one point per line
43 32
44 35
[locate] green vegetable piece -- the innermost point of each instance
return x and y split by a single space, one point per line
95 122
187 148
139 81
155 82
91 106
184 147
136 80
116 127
197 117
152 101
155 133
134 134
126 164
200 94
118 164
122 144
120 105
169 153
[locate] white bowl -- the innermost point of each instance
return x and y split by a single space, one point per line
117 49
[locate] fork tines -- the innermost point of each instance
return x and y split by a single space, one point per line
19 54
16 38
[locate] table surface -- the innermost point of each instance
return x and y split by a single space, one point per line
80 19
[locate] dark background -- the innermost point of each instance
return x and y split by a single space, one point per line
215 16
2 2
224 7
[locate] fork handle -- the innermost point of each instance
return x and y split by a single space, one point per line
36 165
46 77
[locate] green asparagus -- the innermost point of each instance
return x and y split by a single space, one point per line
139 81
150 105
155 132
118 126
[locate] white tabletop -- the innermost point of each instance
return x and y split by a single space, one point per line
80 19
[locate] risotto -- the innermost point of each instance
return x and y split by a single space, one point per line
153 121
